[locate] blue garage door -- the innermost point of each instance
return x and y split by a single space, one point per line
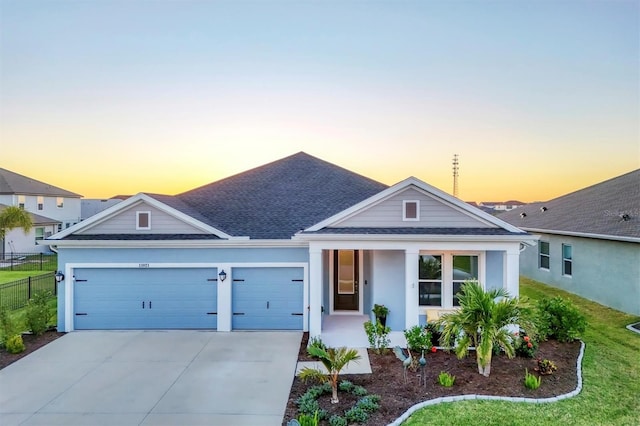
152 298
267 298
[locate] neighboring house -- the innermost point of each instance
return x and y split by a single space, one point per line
90 207
589 242
52 209
501 206
275 247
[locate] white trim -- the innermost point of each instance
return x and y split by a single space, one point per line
130 202
332 310
143 228
526 238
404 211
584 235
71 267
231 243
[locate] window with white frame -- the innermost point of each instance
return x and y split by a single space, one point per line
143 220
39 234
21 201
440 277
430 280
465 268
543 255
411 210
40 202
59 202
567 260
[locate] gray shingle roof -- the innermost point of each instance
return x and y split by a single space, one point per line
597 209
278 199
415 231
14 183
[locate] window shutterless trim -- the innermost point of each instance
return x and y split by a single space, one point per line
148 224
405 204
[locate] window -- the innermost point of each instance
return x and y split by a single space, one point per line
567 260
59 227
465 268
39 234
543 255
59 202
410 210
40 202
430 280
21 201
143 220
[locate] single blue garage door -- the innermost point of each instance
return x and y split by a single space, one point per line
146 298
267 298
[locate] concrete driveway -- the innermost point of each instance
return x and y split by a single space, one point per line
152 378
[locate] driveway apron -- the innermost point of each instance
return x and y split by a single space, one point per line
152 378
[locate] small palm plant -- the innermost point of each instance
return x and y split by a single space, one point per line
482 321
334 360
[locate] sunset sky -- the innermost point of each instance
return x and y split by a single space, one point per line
537 98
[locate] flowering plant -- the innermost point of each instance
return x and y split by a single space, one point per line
433 349
525 346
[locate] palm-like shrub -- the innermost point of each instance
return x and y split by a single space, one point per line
482 321
334 360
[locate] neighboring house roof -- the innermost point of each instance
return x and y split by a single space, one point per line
278 199
90 207
14 183
37 219
610 210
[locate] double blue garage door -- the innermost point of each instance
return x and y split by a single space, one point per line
186 298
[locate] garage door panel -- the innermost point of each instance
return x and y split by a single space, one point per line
267 298
151 298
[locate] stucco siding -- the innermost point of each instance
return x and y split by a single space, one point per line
387 285
607 272
125 223
433 213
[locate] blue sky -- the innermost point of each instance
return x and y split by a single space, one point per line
538 98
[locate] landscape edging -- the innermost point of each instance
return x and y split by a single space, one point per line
632 328
443 399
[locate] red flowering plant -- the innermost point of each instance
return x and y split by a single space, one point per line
525 346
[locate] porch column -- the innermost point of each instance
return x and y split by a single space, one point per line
512 272
411 287
315 292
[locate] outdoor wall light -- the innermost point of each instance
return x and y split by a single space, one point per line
222 275
59 277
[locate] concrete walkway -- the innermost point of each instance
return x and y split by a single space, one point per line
152 378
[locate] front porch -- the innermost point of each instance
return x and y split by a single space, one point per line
348 330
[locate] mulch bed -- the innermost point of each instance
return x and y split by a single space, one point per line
506 379
31 343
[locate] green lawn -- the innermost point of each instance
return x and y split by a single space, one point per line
8 276
611 378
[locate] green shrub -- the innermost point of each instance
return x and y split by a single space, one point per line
308 404
14 344
306 420
337 420
377 334
418 338
446 379
356 415
346 386
8 327
559 319
369 403
359 391
38 313
530 381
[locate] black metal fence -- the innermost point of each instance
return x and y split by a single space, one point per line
11 261
16 294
